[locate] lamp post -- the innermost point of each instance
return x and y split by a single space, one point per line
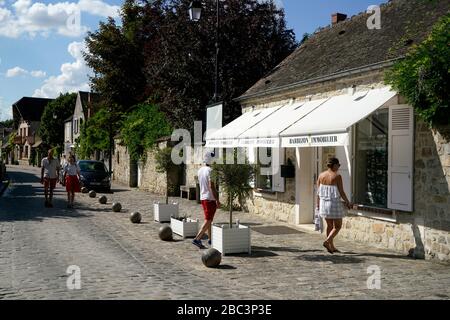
195 12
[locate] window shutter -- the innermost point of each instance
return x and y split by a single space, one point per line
401 158
278 184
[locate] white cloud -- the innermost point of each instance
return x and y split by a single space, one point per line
15 72
18 71
73 77
64 18
38 74
5 111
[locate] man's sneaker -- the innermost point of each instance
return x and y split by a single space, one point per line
198 243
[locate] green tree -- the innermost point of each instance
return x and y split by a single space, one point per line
164 164
235 181
158 55
51 130
142 128
7 123
96 133
116 56
423 76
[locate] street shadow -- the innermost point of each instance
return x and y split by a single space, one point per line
335 259
376 255
283 249
255 254
225 267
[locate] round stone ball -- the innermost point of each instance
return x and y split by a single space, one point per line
103 199
84 190
136 217
211 258
92 194
117 207
165 233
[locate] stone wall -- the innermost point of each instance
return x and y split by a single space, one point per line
149 179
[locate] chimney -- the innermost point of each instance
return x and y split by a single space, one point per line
337 17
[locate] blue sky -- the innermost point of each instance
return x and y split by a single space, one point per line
41 40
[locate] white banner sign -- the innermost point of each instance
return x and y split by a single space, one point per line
223 143
327 140
260 142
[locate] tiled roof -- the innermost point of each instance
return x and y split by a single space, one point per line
30 109
352 45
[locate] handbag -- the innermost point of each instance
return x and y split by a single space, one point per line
318 221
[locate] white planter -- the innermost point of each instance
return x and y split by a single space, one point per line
163 212
186 229
235 240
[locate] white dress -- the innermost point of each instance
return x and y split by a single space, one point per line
331 206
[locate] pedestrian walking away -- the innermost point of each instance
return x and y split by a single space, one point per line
209 198
49 177
72 180
330 190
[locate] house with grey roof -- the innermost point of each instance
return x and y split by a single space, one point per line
83 110
329 99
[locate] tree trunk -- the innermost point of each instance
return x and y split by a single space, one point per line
230 199
167 187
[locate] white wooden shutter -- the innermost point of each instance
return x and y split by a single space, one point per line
401 158
278 184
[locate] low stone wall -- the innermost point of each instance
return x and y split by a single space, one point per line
148 177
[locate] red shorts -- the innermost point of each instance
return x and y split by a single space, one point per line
50 183
72 184
209 209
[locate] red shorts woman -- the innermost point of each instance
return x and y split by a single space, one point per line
72 184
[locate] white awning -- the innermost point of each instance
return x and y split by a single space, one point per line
227 137
328 125
317 123
267 132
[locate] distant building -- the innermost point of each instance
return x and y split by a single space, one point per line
27 114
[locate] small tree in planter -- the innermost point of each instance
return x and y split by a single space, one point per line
234 180
164 164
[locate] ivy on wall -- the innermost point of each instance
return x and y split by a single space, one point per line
422 77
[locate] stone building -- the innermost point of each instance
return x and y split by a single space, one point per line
328 99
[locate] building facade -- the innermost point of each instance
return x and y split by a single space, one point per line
329 99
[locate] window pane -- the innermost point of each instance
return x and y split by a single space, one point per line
372 160
264 181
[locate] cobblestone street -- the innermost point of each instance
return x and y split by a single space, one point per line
119 260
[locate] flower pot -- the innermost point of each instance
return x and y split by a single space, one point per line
231 240
186 229
163 212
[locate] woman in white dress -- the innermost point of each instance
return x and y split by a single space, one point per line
330 191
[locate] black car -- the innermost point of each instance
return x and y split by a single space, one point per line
94 175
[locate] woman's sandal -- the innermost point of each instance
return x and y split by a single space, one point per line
325 244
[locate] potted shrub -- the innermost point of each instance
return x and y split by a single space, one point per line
164 164
184 226
234 180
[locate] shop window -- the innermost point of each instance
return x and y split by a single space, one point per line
264 178
371 160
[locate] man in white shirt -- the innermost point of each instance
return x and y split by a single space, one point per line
209 198
49 176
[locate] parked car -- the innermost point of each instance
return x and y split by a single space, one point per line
94 175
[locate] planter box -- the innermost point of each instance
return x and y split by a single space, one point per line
186 229
235 240
163 212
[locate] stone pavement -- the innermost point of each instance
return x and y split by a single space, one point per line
119 260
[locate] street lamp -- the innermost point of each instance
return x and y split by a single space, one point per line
195 12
